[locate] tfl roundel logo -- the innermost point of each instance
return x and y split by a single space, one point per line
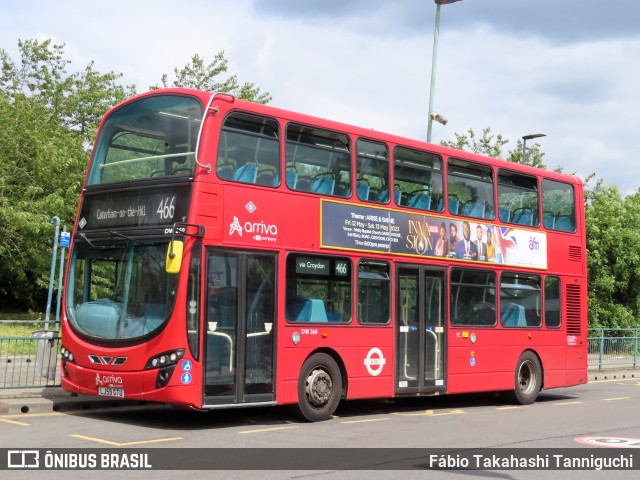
374 361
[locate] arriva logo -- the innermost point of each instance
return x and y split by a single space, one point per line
260 230
108 379
235 227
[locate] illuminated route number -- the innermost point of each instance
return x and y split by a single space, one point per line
167 208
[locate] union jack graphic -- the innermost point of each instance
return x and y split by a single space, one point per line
508 242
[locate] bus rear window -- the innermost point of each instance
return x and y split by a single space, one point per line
558 206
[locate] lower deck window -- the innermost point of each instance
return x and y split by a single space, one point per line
318 289
473 297
520 300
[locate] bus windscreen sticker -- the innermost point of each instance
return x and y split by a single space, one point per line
370 229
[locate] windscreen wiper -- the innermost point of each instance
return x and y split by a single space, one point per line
93 245
131 239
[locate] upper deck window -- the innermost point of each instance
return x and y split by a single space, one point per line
558 206
470 189
518 198
152 137
318 161
372 167
417 179
249 150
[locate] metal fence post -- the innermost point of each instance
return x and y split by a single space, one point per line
60 273
635 350
52 272
601 349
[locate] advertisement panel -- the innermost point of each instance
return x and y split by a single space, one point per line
372 229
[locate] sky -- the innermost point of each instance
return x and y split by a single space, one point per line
565 68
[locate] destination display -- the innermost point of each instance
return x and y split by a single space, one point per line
136 208
371 229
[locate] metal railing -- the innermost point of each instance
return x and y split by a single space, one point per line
609 347
29 361
32 361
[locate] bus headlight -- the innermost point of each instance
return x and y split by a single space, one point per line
66 355
165 359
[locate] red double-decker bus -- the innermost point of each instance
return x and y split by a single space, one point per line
228 254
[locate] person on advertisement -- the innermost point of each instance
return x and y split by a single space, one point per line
465 248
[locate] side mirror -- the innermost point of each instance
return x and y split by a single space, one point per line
174 256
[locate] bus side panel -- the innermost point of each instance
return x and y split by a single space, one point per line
577 364
369 370
488 364
481 369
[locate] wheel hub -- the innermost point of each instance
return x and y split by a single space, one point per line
319 387
526 377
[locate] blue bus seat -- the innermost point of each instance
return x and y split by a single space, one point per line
454 204
523 216
306 310
99 317
421 201
504 213
323 185
292 178
363 191
513 316
246 173
549 219
564 223
475 210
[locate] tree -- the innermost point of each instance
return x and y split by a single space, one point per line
48 120
613 240
491 146
199 76
48 117
613 261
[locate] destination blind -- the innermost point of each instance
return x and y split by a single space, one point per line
135 208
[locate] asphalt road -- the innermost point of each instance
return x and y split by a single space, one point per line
598 410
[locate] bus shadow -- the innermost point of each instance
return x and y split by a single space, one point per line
164 417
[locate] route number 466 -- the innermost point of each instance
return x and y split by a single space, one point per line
167 208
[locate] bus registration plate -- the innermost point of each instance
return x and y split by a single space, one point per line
111 392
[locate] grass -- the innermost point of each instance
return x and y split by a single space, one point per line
20 329
20 346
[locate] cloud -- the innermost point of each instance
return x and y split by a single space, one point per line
565 68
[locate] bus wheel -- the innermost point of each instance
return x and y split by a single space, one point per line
319 388
528 379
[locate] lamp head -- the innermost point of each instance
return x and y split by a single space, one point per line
533 135
439 118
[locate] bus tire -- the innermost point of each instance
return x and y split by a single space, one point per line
319 388
528 379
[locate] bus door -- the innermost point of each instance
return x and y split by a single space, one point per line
240 325
420 334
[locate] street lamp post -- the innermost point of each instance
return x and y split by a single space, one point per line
434 59
529 137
